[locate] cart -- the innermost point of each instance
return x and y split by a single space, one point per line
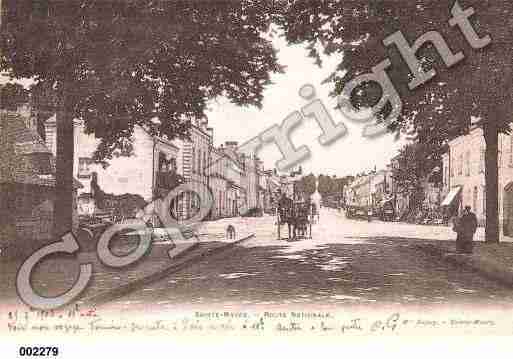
298 216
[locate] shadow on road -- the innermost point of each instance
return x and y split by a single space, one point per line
382 270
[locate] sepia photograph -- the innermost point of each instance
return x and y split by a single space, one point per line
254 171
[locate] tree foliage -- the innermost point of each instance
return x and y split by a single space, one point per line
139 62
440 109
120 64
333 185
357 29
416 165
307 185
11 95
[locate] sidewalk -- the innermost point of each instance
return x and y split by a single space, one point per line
491 260
410 230
56 274
494 261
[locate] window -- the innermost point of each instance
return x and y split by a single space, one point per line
481 160
511 150
40 8
484 200
165 164
460 165
467 161
474 199
205 164
193 160
199 161
84 167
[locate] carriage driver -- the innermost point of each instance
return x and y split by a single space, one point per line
284 207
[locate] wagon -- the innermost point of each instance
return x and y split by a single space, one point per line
298 216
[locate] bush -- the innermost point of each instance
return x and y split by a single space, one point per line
254 212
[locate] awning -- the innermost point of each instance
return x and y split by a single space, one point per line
451 196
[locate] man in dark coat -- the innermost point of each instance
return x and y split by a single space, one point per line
285 215
466 228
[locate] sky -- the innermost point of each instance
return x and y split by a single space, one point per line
348 155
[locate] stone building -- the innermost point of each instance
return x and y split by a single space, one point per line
464 176
235 171
152 170
219 184
194 164
27 181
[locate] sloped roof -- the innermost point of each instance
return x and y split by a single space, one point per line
17 142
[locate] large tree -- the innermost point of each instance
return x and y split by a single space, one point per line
478 86
118 64
416 164
306 185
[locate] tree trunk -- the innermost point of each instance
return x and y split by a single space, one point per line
63 205
491 135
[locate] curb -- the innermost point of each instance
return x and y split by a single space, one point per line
486 268
124 289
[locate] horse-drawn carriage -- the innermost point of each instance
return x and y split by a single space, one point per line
297 216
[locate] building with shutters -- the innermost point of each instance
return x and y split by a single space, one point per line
464 177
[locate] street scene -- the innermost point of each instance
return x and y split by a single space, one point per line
346 263
180 158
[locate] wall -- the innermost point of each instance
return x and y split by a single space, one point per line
195 161
132 174
464 164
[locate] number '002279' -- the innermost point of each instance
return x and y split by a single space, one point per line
38 351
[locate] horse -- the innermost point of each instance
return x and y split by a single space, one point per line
286 215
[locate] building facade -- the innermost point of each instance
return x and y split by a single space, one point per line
157 165
27 182
359 192
195 159
149 173
464 176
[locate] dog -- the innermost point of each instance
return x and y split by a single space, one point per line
230 232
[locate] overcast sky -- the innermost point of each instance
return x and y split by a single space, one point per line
348 155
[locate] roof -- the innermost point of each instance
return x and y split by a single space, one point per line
23 154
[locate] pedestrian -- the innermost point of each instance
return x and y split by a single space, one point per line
465 227
313 212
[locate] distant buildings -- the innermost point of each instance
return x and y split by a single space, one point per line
370 189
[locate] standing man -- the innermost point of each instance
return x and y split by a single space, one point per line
284 212
466 228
